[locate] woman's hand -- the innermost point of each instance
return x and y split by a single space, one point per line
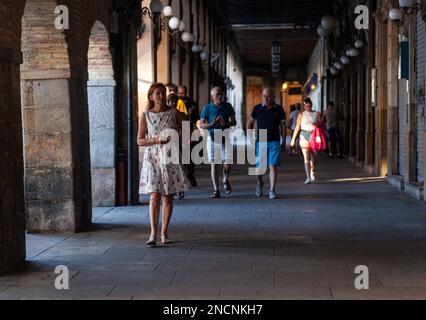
292 143
215 122
222 122
163 140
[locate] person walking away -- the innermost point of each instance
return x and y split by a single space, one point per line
293 123
218 115
194 117
172 90
159 179
173 102
330 119
271 117
306 123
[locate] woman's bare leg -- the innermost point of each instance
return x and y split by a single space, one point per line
307 159
154 212
167 214
313 162
215 176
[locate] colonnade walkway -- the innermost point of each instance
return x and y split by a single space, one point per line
305 245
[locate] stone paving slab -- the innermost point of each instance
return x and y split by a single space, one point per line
169 292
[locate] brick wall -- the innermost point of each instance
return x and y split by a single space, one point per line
100 61
43 46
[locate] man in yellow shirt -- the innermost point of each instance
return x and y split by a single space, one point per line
180 104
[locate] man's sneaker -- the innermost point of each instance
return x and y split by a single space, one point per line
259 190
215 195
308 181
273 195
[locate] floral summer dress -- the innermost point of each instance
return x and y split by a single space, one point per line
156 175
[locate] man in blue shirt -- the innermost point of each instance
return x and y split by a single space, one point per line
271 117
218 116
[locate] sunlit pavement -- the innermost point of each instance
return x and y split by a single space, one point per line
304 245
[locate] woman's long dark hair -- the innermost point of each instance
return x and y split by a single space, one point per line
155 86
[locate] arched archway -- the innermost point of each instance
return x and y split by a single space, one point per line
52 170
102 117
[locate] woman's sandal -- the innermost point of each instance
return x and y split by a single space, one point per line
152 241
227 187
166 240
215 195
181 195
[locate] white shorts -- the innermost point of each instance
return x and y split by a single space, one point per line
222 155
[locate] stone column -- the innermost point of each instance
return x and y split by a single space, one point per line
382 96
392 80
163 54
360 106
368 108
346 103
82 185
101 94
353 114
424 134
48 151
12 215
411 154
57 161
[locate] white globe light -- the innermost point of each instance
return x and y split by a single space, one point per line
339 66
395 14
204 56
406 3
168 11
354 52
188 37
323 32
328 22
174 23
359 44
348 52
182 26
345 60
334 71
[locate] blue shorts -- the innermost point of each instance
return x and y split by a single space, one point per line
268 153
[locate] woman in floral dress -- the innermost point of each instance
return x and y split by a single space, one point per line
159 179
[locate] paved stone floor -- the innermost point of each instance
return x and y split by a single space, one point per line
305 245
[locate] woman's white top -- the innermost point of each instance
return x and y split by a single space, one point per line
308 120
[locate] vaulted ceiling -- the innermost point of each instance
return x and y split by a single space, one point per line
255 24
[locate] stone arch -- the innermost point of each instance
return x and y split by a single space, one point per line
101 103
53 173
